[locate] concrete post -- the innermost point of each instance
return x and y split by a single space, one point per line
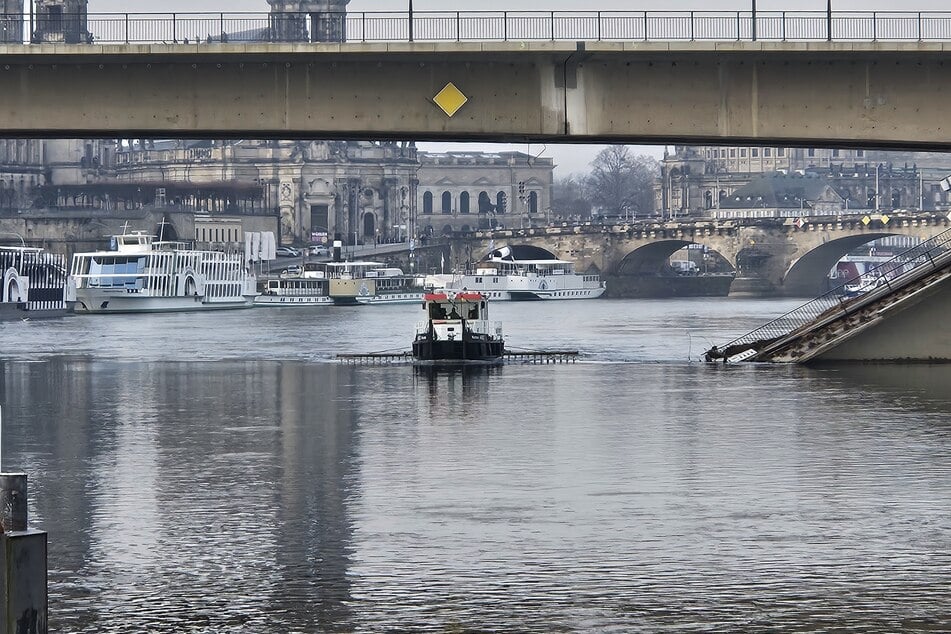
13 508
23 570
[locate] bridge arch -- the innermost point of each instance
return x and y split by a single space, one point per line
808 275
652 258
647 271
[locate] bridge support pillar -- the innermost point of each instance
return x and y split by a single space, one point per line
752 287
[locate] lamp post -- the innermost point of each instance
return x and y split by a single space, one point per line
877 197
410 20
829 20
754 21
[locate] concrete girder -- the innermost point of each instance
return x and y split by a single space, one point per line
881 94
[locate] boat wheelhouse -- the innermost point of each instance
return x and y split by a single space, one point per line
501 276
35 283
310 287
372 283
145 275
457 330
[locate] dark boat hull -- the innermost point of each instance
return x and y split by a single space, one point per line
459 351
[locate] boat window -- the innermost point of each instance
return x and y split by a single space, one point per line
437 311
473 312
116 272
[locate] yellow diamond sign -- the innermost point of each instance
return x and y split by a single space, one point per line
866 220
885 219
450 99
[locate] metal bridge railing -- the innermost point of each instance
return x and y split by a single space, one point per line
459 26
927 254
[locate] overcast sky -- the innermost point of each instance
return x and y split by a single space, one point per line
569 158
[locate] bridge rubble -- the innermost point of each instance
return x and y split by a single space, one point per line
901 317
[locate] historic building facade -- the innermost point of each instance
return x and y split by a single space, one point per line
359 190
22 169
309 20
697 180
364 192
462 191
11 21
61 21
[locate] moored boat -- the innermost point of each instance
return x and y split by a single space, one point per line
310 287
35 284
372 283
143 275
457 330
501 276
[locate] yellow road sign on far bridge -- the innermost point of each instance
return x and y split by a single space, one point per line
450 99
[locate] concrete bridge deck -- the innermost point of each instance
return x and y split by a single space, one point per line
840 93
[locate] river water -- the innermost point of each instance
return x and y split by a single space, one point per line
222 473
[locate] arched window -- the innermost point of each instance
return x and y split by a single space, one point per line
446 203
464 203
428 203
500 203
533 202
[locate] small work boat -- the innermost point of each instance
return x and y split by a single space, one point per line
457 330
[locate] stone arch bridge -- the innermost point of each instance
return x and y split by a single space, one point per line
776 256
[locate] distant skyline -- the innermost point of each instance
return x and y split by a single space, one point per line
569 158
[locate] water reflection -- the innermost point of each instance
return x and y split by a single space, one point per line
280 496
213 494
918 384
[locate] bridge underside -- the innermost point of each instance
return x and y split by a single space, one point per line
816 93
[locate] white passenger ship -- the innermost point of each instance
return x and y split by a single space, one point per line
373 283
35 283
143 275
310 287
501 276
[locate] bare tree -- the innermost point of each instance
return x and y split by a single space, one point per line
568 198
622 184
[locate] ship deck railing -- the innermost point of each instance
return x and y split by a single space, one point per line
930 255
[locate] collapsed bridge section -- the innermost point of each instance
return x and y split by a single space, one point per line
895 312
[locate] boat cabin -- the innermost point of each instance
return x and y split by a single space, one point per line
530 268
446 307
